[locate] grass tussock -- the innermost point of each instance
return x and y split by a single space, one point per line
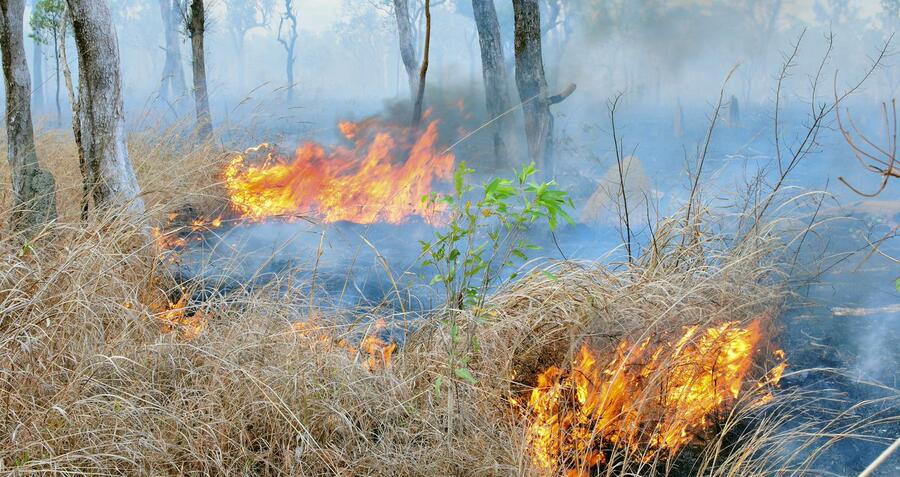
90 383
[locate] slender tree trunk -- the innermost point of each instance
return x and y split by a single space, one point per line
197 30
407 46
37 95
423 71
56 56
109 171
532 84
172 84
496 81
289 42
33 189
76 112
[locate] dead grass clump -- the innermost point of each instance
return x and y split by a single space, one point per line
91 385
91 382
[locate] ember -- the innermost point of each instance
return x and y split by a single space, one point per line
381 178
652 397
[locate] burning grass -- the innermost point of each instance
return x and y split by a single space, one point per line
108 367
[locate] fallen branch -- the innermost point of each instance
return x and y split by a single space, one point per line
844 311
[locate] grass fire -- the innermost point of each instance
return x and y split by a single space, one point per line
532 238
381 178
649 399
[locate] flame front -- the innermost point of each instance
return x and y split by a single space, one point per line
647 400
381 178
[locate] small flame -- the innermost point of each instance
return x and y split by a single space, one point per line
174 317
381 178
378 351
651 397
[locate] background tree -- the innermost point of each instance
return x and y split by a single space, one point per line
287 36
37 95
496 81
33 188
110 174
242 16
172 84
46 17
407 45
423 69
532 83
193 14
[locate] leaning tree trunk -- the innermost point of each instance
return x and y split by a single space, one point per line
493 71
76 110
423 70
532 83
197 30
33 188
407 46
172 84
109 171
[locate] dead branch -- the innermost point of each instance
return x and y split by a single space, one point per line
880 160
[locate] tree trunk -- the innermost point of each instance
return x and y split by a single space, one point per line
110 174
423 71
197 30
76 112
532 84
172 84
56 55
33 189
407 46
37 95
493 71
289 42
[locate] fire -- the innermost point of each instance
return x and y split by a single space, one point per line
382 177
174 317
650 398
376 350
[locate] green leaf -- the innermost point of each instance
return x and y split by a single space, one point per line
550 275
465 375
437 385
897 284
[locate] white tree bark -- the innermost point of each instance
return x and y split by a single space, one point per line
407 46
172 84
34 189
109 170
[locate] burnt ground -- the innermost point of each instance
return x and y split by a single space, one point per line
850 363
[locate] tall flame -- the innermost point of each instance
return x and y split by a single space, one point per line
381 178
649 397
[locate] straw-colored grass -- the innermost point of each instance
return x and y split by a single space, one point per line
90 385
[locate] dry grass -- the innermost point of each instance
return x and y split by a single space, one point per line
90 385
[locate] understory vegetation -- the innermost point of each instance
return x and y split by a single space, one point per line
94 379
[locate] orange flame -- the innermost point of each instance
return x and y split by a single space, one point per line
650 397
174 317
378 351
381 178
